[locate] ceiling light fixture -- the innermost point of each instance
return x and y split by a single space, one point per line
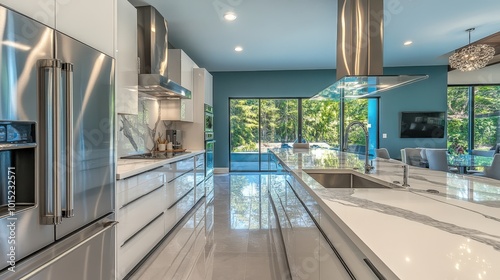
238 49
407 43
230 16
472 57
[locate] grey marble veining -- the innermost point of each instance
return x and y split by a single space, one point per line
347 198
138 133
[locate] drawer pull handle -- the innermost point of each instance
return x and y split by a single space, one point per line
134 200
177 201
143 228
180 176
374 269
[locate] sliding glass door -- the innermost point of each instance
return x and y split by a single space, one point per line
279 120
244 134
257 125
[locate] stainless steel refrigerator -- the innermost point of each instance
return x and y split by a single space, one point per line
57 118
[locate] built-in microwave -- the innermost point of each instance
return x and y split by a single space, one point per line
209 118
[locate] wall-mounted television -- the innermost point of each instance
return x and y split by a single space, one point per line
423 124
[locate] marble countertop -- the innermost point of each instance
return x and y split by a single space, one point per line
453 233
130 167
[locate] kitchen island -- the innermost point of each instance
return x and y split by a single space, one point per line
444 226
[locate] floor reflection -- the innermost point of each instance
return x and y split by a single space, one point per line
227 237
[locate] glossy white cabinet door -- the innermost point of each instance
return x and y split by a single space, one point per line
91 22
203 85
39 10
126 59
330 266
180 70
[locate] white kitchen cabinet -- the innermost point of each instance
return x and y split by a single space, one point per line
91 22
180 70
203 89
140 205
315 246
39 10
203 85
126 94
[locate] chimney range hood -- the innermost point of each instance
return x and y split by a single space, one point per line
152 46
360 36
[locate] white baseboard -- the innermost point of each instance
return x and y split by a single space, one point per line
221 170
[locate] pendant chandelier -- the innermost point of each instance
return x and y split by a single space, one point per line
472 57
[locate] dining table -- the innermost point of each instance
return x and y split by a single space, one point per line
464 161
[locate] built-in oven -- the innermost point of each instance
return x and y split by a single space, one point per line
209 118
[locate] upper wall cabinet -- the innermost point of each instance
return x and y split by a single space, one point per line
39 10
203 86
126 59
89 21
180 70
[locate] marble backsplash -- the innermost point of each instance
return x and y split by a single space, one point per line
137 134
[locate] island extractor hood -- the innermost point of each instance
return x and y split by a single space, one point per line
360 36
152 38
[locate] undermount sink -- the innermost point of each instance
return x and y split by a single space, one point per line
344 180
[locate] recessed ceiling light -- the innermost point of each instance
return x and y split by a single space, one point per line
230 16
238 49
407 43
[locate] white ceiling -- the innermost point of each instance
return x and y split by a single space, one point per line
301 34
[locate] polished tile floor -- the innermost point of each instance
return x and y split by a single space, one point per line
241 243
242 249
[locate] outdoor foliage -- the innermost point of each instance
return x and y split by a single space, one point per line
279 122
486 117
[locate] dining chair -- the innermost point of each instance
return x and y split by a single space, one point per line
493 171
382 153
437 159
411 156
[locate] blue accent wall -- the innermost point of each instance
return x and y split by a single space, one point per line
428 95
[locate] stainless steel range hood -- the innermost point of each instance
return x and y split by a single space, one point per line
152 39
360 36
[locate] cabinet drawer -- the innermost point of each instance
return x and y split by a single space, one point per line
176 169
199 192
138 213
134 191
200 159
179 187
199 173
304 195
132 182
176 212
130 253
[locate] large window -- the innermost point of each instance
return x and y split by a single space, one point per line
486 115
257 125
321 122
480 132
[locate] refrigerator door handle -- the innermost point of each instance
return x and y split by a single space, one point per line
68 212
49 157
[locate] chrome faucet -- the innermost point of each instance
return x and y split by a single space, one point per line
406 174
368 167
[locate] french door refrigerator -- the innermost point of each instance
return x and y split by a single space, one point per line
61 214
